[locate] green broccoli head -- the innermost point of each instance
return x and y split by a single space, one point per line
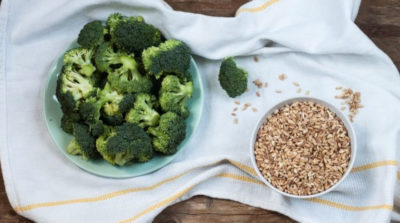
67 121
91 35
113 20
73 88
107 98
172 56
107 58
125 143
114 115
174 95
170 132
129 82
97 128
143 113
65 98
113 110
112 100
80 61
90 110
232 78
127 78
83 142
113 120
123 73
127 103
133 34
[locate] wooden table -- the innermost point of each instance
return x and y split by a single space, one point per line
379 19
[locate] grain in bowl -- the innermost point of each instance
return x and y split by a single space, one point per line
303 147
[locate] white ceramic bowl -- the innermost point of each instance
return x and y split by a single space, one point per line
345 121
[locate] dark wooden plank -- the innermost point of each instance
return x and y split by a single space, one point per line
224 8
7 214
379 19
204 209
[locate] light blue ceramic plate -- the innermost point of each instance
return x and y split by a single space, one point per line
53 113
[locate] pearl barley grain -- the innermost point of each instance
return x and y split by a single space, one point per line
258 83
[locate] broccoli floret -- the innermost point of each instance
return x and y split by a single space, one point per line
109 104
112 21
113 99
172 56
123 74
80 61
97 128
127 78
113 120
120 105
73 148
127 103
113 115
108 98
90 110
91 35
129 81
65 98
83 143
133 34
107 58
174 95
100 79
72 88
143 113
125 143
170 132
232 78
68 120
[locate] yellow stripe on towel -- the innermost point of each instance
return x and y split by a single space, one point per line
172 198
315 200
241 178
158 205
239 165
98 198
243 167
257 9
181 193
350 207
374 165
110 195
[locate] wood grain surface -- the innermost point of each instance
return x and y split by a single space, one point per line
379 19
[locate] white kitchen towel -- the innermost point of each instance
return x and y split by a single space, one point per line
314 42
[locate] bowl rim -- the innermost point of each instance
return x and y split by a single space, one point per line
344 119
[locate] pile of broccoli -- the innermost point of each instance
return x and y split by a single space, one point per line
124 91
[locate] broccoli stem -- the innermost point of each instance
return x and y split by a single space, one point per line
87 70
81 84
